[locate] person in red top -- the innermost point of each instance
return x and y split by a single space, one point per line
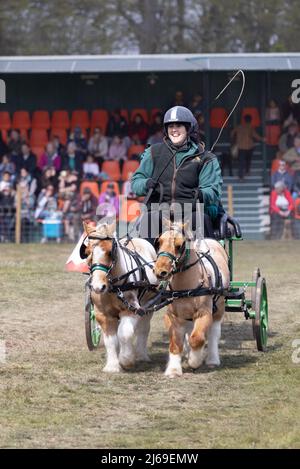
138 130
281 206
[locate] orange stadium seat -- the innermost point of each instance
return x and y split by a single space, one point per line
129 167
60 120
273 134
41 120
21 120
112 168
4 135
297 209
253 112
130 210
61 133
39 137
143 112
218 115
92 185
5 121
80 117
135 150
105 184
99 119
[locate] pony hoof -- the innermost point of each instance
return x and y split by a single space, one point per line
144 358
112 368
173 373
212 364
126 364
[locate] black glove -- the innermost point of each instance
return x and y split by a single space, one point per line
151 184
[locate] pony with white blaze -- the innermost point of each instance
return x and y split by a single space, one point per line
114 263
188 265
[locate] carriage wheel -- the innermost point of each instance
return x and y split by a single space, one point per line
261 312
92 328
255 277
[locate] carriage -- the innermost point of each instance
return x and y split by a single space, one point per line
247 297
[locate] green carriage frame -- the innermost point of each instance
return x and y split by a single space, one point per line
254 308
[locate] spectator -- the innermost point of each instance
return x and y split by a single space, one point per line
78 138
72 160
46 203
281 206
283 175
157 124
286 140
292 156
26 180
6 165
6 181
98 145
70 212
117 150
158 137
49 176
90 168
7 214
296 185
272 113
108 203
3 146
197 104
88 205
50 157
14 143
245 136
27 209
59 147
201 125
117 125
26 160
290 112
68 183
138 130
178 100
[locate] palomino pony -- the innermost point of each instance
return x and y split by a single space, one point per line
113 264
187 266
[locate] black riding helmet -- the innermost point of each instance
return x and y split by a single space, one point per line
183 115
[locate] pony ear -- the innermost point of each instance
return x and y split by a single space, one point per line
88 229
111 229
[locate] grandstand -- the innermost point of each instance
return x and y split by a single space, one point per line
52 96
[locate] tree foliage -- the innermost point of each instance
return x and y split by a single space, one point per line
36 27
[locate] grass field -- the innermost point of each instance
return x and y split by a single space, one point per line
53 393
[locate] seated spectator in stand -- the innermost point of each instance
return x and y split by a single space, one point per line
46 204
157 125
14 143
138 130
272 113
90 168
71 216
117 125
178 100
283 175
59 147
286 140
7 214
6 181
108 203
98 146
7 165
50 158
292 156
127 189
201 125
49 176
197 104
245 136
27 205
26 160
26 180
290 112
281 206
68 183
87 205
72 159
117 150
80 141
3 146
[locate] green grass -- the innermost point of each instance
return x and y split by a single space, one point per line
54 394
